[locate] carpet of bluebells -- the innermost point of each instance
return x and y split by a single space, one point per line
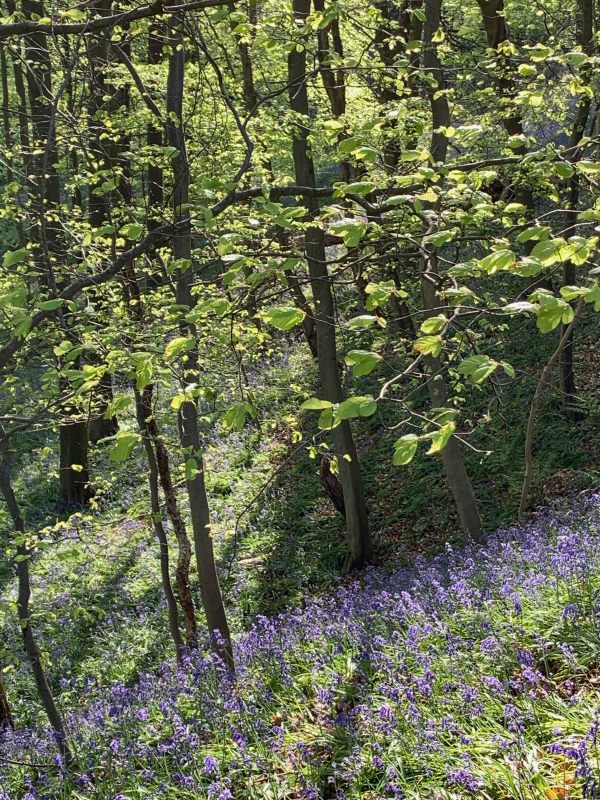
476 674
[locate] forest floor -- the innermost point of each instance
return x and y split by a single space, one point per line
430 677
472 674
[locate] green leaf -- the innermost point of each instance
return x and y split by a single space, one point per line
74 14
580 249
552 312
527 70
434 324
358 406
359 188
414 155
22 327
178 346
477 368
380 293
132 231
123 446
119 403
498 260
517 141
440 437
405 449
362 362
351 231
508 369
50 305
548 252
15 257
365 321
535 233
536 99
350 144
439 239
563 169
191 469
589 167
520 307
17 298
143 373
284 318
428 345
235 417
326 419
514 208
314 404
593 296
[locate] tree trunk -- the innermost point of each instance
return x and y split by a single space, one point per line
73 482
155 136
399 24
159 530
456 474
104 99
496 31
308 322
47 195
6 720
534 408
212 599
8 139
23 603
452 460
100 426
182 572
249 93
436 84
357 524
45 202
567 370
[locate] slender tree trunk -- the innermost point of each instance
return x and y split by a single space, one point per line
155 135
494 21
46 200
329 49
496 30
212 599
249 93
399 24
8 139
182 572
436 84
534 408
23 602
454 468
456 474
44 190
6 720
159 530
105 98
357 523
567 370
22 111
308 323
